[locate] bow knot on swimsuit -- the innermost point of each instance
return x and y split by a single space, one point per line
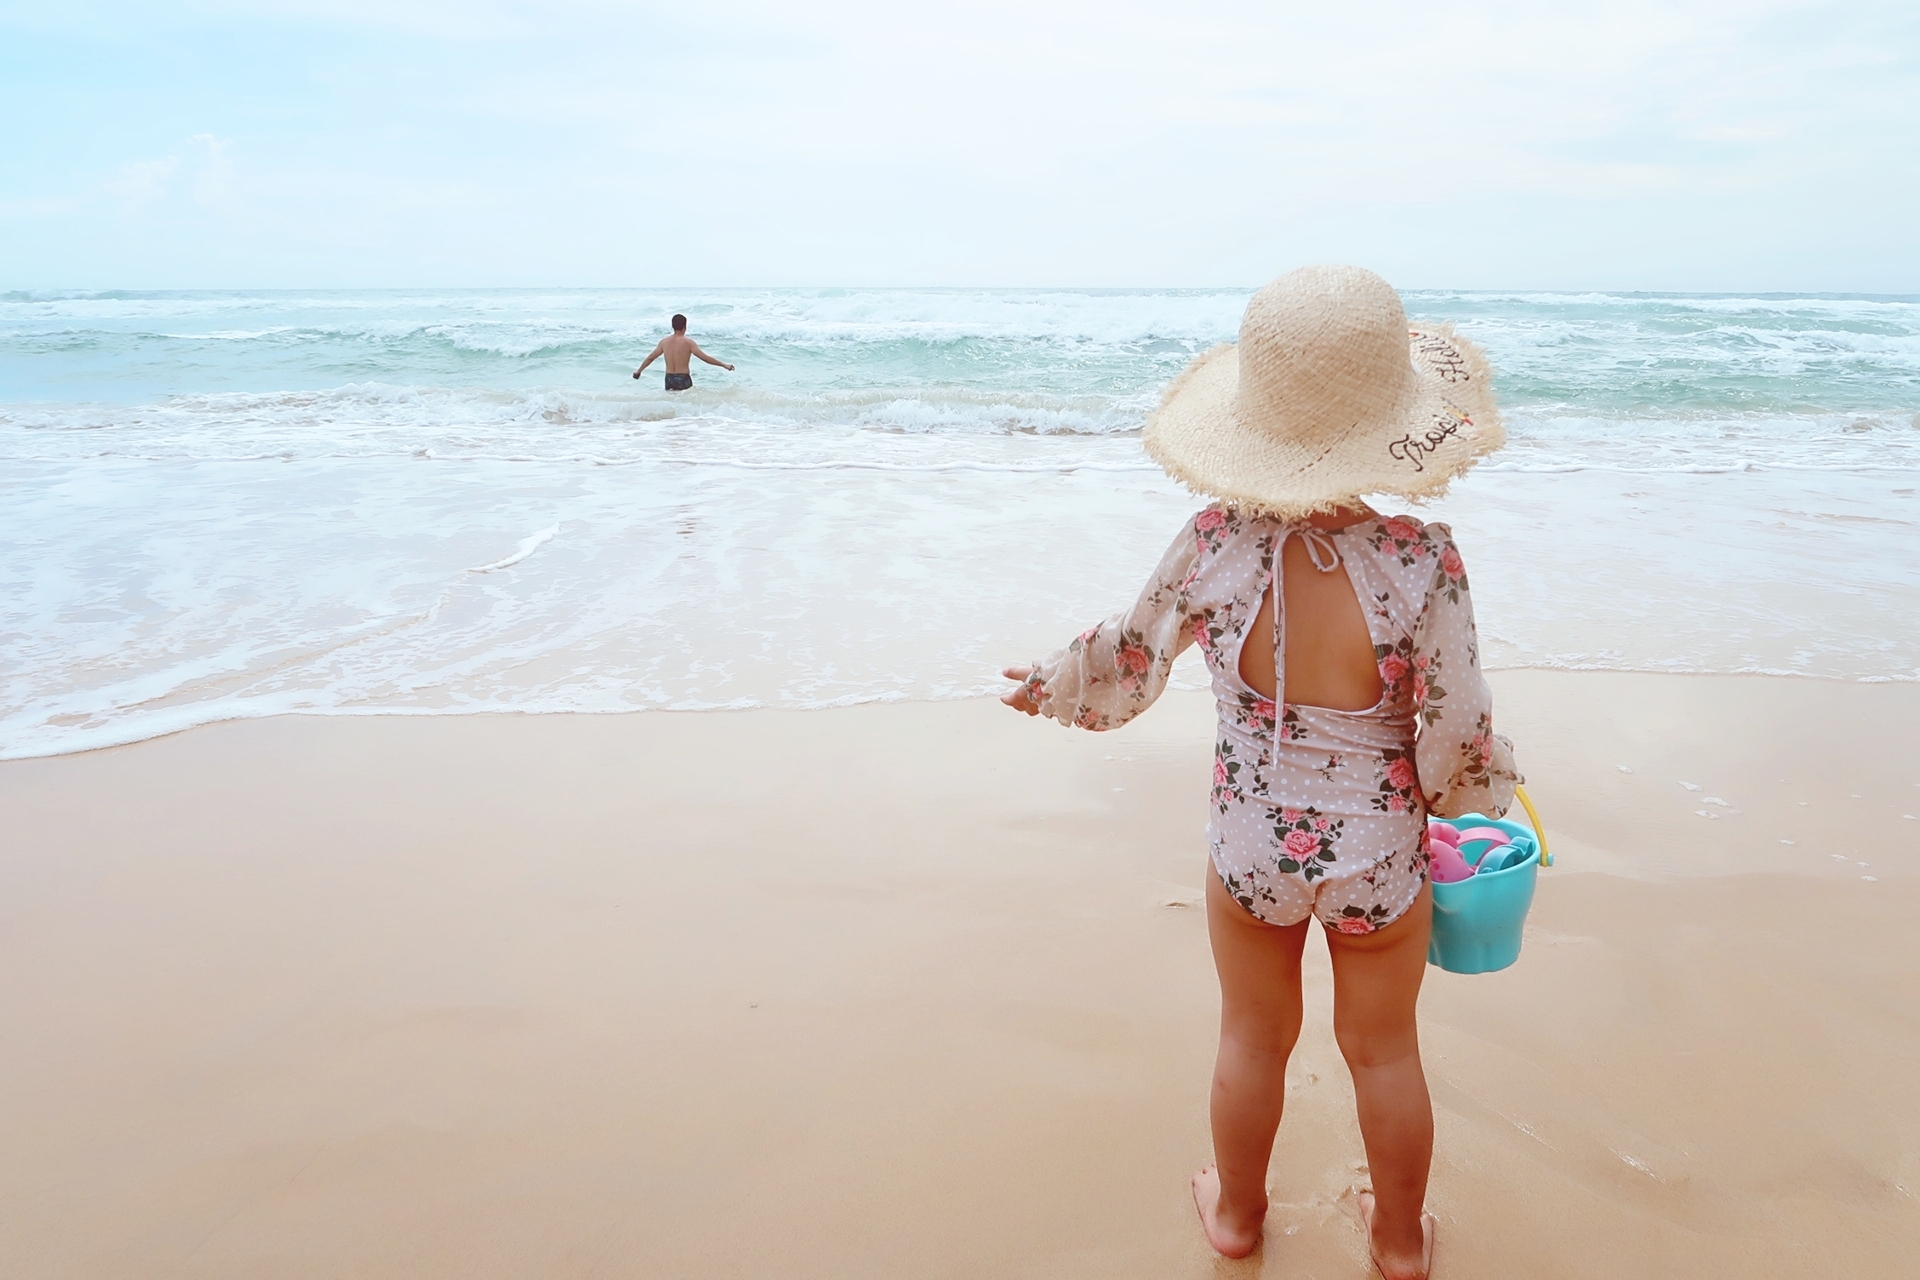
1322 550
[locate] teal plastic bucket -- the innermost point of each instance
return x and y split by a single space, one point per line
1477 922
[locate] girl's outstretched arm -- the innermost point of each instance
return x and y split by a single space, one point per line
1464 766
1021 696
1113 672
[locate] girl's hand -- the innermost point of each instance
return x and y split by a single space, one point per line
1020 697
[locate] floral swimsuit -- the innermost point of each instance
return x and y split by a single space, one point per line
1315 811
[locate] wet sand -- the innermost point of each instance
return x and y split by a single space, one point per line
917 990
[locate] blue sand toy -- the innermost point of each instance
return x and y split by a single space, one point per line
1477 922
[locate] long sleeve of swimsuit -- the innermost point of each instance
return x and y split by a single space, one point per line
1113 672
1464 767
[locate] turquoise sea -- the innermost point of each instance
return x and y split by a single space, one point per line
229 504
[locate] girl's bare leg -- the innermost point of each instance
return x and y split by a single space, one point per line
1259 967
1376 982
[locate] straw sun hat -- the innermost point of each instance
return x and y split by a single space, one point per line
1328 396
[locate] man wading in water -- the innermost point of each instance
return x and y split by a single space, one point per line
678 348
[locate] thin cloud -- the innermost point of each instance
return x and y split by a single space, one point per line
143 182
1691 143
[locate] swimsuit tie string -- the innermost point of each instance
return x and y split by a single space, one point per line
1320 549
1325 555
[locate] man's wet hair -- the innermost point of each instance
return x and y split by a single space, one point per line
679 324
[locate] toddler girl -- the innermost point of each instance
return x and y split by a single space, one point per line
1343 658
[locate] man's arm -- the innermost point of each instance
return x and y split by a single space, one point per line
710 360
650 359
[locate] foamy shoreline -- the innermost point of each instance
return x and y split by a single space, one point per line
325 589
1186 682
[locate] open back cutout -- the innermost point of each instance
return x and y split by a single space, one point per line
1328 654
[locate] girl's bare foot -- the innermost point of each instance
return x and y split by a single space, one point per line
1395 1265
1231 1235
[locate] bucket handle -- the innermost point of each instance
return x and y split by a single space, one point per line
1520 794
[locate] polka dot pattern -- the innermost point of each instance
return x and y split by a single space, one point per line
1315 811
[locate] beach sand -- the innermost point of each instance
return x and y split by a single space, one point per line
922 990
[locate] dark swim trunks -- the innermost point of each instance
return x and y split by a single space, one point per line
679 382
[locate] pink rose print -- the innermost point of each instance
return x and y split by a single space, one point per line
1301 844
1400 774
1132 662
1219 773
1451 562
1263 711
1401 529
1355 924
1419 689
1320 824
1211 526
1200 636
1086 637
1396 804
1393 669
1291 815
1422 661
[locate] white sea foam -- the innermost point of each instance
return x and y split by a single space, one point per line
240 505
528 546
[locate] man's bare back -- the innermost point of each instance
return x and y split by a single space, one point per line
679 351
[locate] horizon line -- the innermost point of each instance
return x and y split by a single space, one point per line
56 293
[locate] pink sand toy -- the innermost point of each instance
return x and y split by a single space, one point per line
1443 844
1501 850
1450 850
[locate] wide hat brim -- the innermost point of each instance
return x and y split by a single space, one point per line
1445 423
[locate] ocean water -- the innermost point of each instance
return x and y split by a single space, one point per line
235 504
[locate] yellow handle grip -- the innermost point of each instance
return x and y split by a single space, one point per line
1533 815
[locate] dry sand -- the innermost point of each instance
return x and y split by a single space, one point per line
897 991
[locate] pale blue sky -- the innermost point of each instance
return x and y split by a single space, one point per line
300 143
